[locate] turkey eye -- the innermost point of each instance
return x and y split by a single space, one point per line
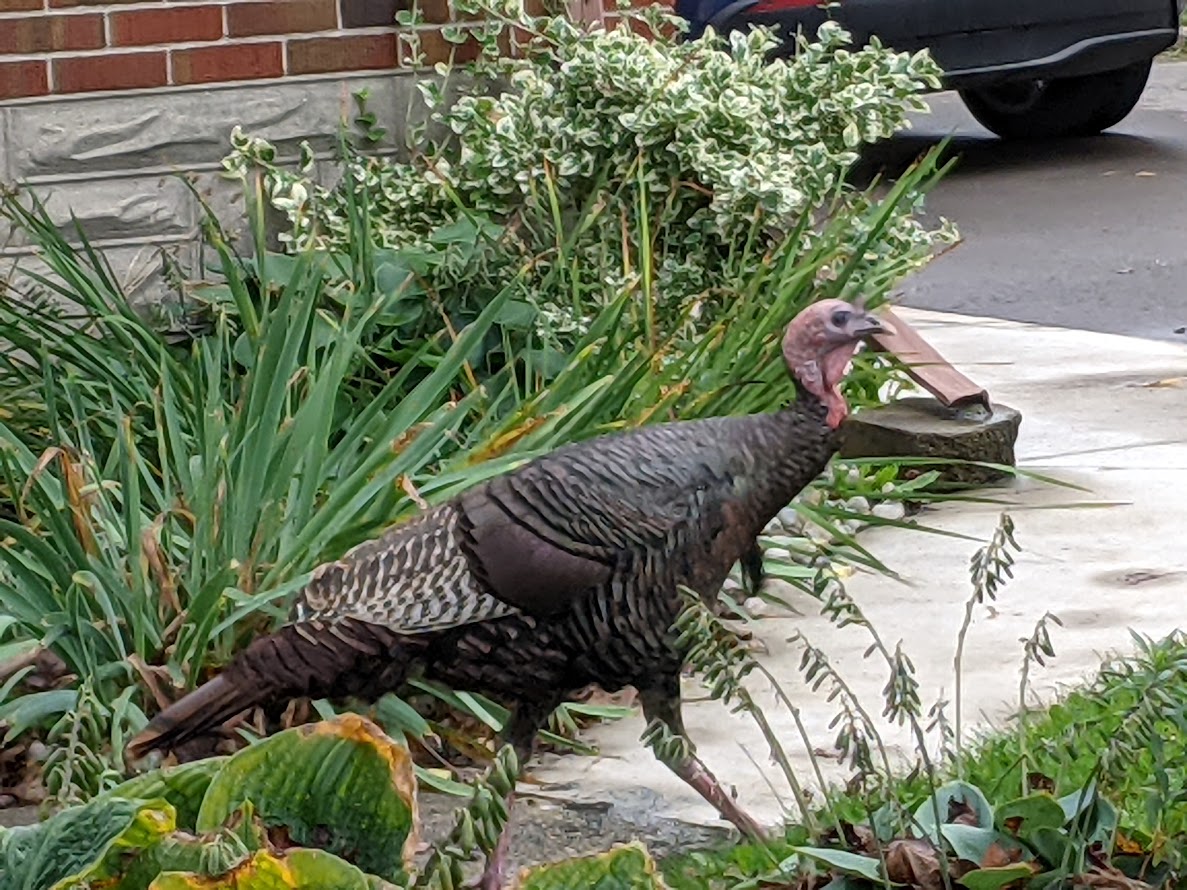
841 318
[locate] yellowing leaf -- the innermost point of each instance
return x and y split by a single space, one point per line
298 869
341 785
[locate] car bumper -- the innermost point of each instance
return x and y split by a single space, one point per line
1088 55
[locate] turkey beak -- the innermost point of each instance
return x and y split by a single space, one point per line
868 326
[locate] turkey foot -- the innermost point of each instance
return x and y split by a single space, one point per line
695 773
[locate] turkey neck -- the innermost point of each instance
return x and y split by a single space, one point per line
785 450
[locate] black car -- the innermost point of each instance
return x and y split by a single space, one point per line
1024 68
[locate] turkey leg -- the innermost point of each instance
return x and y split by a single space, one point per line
662 703
520 733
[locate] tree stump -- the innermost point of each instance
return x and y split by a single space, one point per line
923 427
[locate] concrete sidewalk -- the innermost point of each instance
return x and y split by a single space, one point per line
1104 412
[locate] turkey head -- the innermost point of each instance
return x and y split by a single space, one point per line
819 345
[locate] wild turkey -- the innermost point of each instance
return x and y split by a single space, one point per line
560 574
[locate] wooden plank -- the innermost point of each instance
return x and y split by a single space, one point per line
926 366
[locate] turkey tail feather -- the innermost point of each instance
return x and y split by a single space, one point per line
318 659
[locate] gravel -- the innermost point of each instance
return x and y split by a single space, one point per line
545 830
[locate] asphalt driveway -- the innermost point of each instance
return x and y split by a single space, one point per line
1087 233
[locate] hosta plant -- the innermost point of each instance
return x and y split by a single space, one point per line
331 804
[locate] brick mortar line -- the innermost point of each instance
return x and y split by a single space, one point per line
157 172
105 243
148 5
123 49
181 88
105 10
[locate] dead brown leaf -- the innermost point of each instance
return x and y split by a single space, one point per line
152 677
1165 382
1109 878
410 490
1127 845
593 694
154 555
961 812
997 856
914 862
1040 782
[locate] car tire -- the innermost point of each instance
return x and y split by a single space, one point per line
1067 106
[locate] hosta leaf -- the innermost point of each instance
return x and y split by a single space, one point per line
343 786
1030 813
622 867
955 794
298 869
1052 845
1094 819
994 878
845 862
206 854
84 844
971 842
183 786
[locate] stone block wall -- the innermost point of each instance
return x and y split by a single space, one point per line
102 103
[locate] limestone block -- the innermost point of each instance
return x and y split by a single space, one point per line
189 129
139 271
153 208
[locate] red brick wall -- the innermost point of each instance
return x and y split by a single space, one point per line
50 47
70 46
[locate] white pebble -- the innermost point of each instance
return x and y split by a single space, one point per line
777 553
790 519
757 607
892 511
857 504
813 497
731 584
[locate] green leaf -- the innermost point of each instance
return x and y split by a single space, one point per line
622 867
1091 817
88 843
1078 801
183 786
993 878
433 779
1034 811
296 869
397 716
1052 845
206 854
601 712
971 842
845 862
518 315
344 787
31 709
953 792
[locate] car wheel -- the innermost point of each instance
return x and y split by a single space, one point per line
1066 106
